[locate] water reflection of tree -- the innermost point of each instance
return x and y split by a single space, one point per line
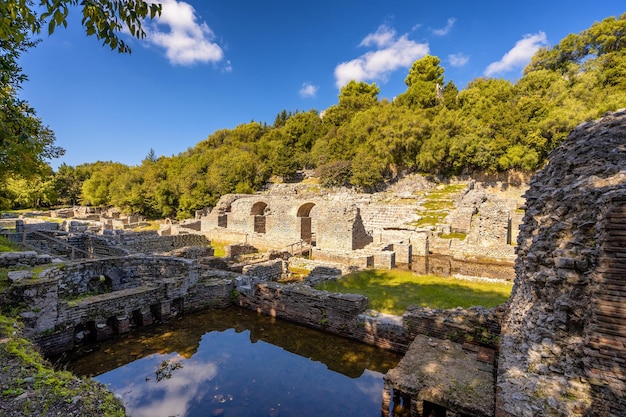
166 369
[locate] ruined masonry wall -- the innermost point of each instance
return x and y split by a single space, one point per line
266 271
28 258
330 312
346 315
151 242
142 289
563 350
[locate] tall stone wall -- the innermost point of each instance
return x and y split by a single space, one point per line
563 350
342 229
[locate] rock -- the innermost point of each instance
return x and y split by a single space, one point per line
17 276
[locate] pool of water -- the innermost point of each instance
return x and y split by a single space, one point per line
234 362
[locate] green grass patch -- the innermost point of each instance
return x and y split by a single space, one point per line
152 225
437 204
219 250
453 235
393 291
431 219
8 246
29 372
4 278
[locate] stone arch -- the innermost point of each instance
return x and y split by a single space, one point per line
99 285
305 223
258 211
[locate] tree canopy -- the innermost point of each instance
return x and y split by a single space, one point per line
362 141
26 143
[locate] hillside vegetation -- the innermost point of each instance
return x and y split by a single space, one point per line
492 125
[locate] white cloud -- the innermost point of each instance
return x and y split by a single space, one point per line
153 399
391 53
383 36
444 31
186 41
308 90
458 60
519 56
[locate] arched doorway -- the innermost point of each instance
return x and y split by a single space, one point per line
305 223
258 212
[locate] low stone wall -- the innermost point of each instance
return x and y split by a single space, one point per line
20 259
340 314
477 325
81 278
239 249
104 246
346 315
266 271
357 259
41 226
448 266
151 242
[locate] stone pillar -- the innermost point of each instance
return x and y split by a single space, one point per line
143 317
103 331
122 324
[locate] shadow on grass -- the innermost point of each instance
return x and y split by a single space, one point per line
393 291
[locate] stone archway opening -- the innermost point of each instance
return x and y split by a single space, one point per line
305 223
258 211
99 285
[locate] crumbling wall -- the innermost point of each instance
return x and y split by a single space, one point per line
99 298
563 344
117 243
21 259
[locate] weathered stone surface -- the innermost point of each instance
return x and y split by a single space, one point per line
442 372
17 276
26 258
562 349
94 299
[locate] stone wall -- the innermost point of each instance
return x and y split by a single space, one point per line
476 325
151 242
563 350
266 271
94 299
347 315
342 228
336 313
22 259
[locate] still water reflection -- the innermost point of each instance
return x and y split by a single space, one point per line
234 362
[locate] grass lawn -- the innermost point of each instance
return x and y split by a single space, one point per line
393 291
8 246
219 250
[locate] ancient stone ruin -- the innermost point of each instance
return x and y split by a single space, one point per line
363 230
557 348
563 348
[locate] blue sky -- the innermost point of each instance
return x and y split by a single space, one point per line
209 65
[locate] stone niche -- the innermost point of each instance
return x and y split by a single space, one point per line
563 345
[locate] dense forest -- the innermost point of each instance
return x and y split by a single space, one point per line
492 125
